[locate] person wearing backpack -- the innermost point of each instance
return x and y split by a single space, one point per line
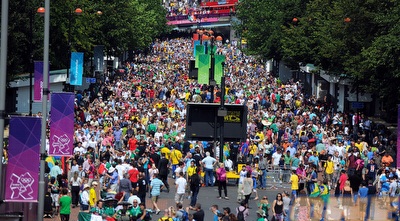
242 212
181 214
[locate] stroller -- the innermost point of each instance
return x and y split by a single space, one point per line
48 206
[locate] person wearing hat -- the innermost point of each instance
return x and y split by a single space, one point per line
92 194
260 215
84 198
114 178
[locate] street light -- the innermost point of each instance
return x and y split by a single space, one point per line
41 191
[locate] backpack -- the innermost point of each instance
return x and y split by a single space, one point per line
240 215
185 216
80 198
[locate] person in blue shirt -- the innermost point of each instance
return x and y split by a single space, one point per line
314 159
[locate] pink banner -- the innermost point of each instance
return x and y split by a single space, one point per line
38 81
23 164
62 124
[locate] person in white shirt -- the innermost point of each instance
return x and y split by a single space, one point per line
276 157
228 164
208 163
180 185
242 175
85 198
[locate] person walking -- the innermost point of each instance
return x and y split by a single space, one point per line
180 185
286 205
221 178
163 166
156 186
195 183
247 187
242 176
75 184
277 208
65 205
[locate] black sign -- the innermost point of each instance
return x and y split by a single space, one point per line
203 123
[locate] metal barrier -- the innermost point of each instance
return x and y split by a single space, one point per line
278 176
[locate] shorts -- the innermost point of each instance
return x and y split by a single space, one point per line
154 198
363 206
329 177
179 197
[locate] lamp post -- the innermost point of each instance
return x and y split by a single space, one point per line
222 112
77 11
3 78
41 191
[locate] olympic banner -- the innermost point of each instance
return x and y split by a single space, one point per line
76 70
22 175
38 81
61 124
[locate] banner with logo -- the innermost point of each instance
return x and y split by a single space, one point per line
62 124
22 175
38 81
218 70
200 49
98 54
76 70
204 69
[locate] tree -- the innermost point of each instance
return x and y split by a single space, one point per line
119 25
261 24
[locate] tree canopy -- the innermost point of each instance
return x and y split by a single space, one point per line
356 39
118 25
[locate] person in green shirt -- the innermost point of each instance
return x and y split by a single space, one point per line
98 209
260 215
65 205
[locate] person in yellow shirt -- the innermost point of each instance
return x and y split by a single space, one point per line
252 150
166 151
329 169
191 170
294 180
93 195
359 145
176 156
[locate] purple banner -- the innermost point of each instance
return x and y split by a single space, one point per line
38 84
398 137
23 164
62 124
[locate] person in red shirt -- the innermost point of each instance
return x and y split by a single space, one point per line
133 175
340 185
132 143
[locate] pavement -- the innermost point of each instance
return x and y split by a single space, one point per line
208 197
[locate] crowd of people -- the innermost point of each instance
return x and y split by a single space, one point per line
130 141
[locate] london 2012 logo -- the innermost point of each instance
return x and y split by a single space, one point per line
21 186
60 144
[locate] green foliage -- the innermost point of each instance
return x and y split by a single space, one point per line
122 25
364 47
